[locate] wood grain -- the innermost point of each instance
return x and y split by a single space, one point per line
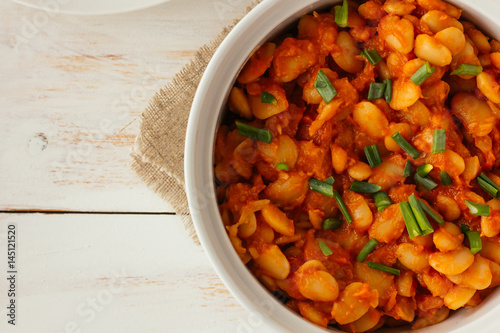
73 88
116 273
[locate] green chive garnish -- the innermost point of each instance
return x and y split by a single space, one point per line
282 166
267 98
388 90
439 141
254 132
422 74
364 187
376 90
325 87
475 241
367 249
410 221
464 228
325 249
445 178
321 187
405 145
488 185
372 56
384 268
424 170
331 224
342 14
431 212
342 206
426 182
407 170
467 69
373 156
330 180
382 200
478 209
420 216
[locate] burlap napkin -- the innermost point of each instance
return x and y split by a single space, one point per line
158 152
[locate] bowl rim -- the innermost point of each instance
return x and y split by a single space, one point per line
269 16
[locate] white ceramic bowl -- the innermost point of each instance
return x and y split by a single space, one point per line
90 7
266 20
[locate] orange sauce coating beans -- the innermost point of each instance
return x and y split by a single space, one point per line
274 219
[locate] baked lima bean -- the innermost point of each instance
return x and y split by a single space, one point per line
357 168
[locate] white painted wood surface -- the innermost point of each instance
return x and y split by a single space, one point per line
72 89
115 273
80 83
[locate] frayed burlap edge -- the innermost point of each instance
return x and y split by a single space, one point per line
158 152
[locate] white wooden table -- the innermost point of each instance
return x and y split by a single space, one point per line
97 251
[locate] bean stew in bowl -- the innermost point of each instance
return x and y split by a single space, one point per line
357 168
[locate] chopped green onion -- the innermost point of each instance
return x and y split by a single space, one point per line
445 178
267 98
330 180
254 132
325 249
488 185
478 209
321 187
486 178
342 206
405 145
410 221
364 187
468 69
424 170
474 238
418 212
384 268
431 212
367 249
372 56
382 200
464 228
376 90
407 170
491 182
426 182
388 90
325 87
475 241
282 166
331 224
342 14
373 156
439 141
337 14
422 74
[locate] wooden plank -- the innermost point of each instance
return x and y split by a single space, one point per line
73 88
115 273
